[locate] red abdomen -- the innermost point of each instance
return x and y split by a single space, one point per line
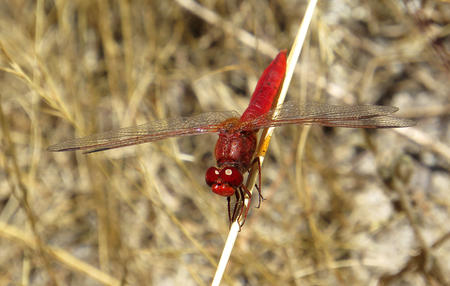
267 88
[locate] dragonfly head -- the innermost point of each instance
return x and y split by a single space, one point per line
224 181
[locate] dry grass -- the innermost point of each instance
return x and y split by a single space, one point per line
343 206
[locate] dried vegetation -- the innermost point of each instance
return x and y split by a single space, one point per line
342 206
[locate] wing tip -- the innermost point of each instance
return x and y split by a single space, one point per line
406 123
56 148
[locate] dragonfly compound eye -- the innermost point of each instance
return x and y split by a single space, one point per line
232 176
212 175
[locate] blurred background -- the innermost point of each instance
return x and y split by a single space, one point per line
342 206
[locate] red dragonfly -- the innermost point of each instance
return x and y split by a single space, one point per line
237 141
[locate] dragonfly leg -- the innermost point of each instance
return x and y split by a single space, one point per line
236 208
258 186
229 209
244 209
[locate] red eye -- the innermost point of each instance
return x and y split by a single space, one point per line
231 176
212 174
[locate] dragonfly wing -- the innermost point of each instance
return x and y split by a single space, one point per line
354 116
156 130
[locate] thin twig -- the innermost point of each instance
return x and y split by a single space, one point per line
211 17
426 141
265 137
14 234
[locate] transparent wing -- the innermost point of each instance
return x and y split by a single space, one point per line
151 131
354 116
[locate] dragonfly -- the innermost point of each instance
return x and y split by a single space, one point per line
236 145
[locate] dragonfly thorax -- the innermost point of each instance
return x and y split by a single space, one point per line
236 149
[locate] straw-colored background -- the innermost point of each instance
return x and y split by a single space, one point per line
352 208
